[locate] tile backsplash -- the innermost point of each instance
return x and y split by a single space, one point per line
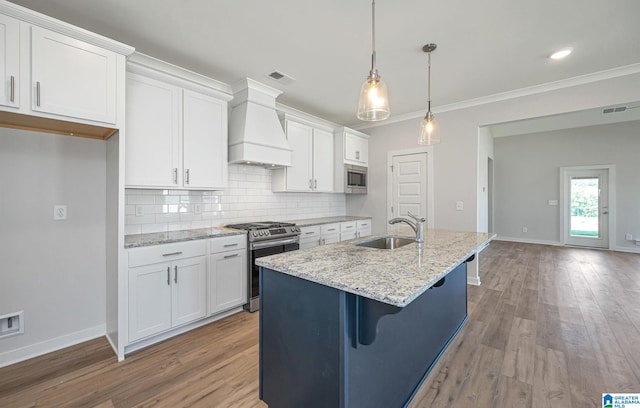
247 198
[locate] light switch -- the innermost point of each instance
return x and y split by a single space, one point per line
459 206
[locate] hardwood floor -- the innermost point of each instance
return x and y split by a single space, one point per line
548 327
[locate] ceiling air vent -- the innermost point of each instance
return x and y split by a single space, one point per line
614 110
281 77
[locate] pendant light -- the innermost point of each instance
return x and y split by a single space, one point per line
429 133
373 104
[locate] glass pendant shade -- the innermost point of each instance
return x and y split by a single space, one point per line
373 104
429 134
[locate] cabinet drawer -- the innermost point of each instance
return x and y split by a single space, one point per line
228 243
330 228
307 232
363 224
166 252
348 226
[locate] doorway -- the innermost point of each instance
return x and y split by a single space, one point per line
586 206
410 185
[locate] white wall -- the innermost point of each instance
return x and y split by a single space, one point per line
456 157
54 271
248 198
527 175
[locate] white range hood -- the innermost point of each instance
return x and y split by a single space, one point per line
255 133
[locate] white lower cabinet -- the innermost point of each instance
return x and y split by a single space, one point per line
309 236
167 287
347 230
363 228
227 273
329 233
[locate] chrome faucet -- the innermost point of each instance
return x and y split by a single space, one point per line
417 225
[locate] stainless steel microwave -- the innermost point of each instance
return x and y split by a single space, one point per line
355 179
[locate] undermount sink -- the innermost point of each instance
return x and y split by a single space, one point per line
385 242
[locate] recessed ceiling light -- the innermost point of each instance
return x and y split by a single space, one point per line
561 53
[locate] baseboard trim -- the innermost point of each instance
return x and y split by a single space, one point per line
473 280
140 344
47 346
629 250
528 241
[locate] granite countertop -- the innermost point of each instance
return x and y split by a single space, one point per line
326 220
396 277
157 238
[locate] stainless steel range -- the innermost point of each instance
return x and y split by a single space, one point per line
266 238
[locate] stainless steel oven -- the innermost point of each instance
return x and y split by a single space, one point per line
265 238
355 179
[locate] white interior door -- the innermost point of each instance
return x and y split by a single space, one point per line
586 207
409 185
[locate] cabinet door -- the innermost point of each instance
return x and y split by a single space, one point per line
300 174
330 238
153 133
149 300
356 149
323 160
204 141
188 290
9 61
72 78
227 280
309 243
345 236
364 228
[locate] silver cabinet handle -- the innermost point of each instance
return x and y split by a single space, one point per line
173 253
310 184
187 177
308 233
230 256
175 175
175 276
315 184
324 241
331 229
169 275
230 245
13 87
38 93
348 226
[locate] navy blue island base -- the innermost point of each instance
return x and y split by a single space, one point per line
323 347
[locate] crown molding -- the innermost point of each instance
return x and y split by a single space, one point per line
516 93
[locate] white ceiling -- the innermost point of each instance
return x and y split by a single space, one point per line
484 47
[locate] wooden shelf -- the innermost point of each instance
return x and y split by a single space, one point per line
60 127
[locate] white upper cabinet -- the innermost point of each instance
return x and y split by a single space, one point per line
204 141
351 147
176 131
9 61
311 159
153 130
322 160
356 149
300 175
72 78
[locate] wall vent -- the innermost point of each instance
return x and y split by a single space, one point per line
615 109
281 77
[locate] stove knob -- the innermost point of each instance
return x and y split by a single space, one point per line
262 233
266 233
255 233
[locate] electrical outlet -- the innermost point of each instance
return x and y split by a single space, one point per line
628 237
139 211
553 202
525 229
197 208
59 212
12 324
459 206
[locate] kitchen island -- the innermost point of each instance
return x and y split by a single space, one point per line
350 326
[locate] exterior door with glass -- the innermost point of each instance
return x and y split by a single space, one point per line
586 207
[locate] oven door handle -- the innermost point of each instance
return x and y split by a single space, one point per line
274 242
